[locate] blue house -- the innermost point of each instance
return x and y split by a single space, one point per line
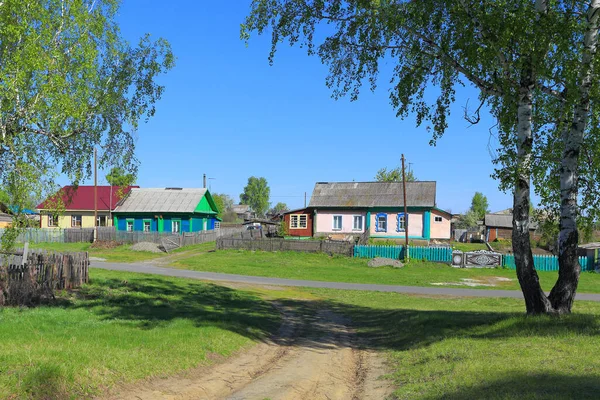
174 210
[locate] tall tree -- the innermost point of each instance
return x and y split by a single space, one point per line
256 195
118 177
70 82
394 175
479 205
533 63
279 207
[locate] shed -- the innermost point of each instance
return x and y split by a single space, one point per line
299 222
499 226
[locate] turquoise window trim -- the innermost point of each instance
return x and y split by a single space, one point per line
127 221
379 215
144 222
400 215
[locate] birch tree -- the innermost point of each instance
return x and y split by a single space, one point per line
533 63
69 82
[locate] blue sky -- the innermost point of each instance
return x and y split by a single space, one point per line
228 114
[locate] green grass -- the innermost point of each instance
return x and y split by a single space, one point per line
457 348
469 246
119 254
120 328
321 267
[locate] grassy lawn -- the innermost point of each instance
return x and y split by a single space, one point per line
321 267
457 348
468 246
119 254
120 328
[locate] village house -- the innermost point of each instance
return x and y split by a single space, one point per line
73 207
499 226
175 210
345 209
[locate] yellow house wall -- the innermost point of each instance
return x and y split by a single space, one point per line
64 221
4 224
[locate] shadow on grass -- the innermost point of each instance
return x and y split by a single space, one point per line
529 386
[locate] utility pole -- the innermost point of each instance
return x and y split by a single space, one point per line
405 210
95 194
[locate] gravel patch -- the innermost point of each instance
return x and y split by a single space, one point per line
147 246
385 262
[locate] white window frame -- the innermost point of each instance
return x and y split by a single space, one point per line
129 223
52 220
74 219
144 222
105 220
385 219
217 224
178 221
354 219
401 217
341 217
296 221
435 219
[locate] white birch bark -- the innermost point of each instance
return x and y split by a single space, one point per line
563 293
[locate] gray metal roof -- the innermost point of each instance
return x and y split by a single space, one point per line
161 200
504 221
373 194
5 217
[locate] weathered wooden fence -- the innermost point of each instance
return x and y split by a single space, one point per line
52 270
545 262
436 254
108 233
279 244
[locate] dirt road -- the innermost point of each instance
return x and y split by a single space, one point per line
316 355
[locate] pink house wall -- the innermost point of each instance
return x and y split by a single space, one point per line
440 230
324 221
415 224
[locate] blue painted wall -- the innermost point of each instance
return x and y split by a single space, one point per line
138 223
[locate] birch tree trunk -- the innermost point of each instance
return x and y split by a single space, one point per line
563 293
536 301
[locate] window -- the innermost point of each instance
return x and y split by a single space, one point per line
298 221
217 224
401 226
129 225
357 224
438 219
381 222
101 221
176 226
147 224
76 221
337 222
52 220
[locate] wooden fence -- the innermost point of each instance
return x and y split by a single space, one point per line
279 244
545 262
436 254
54 271
108 233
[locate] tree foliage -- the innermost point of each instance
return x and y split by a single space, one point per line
479 205
69 82
256 195
394 175
118 177
279 207
468 220
223 203
534 65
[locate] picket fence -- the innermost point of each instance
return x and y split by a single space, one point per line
435 254
545 262
444 255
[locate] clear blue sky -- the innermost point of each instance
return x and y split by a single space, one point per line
227 113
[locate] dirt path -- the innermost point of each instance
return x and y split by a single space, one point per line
314 356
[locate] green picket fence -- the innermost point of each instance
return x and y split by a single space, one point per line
544 262
436 254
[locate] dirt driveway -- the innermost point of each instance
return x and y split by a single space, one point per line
315 355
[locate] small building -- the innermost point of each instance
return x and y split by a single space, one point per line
351 208
174 210
243 211
73 206
299 223
499 226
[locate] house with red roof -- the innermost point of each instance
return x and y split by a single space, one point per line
73 207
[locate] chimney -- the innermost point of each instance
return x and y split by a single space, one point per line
204 180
